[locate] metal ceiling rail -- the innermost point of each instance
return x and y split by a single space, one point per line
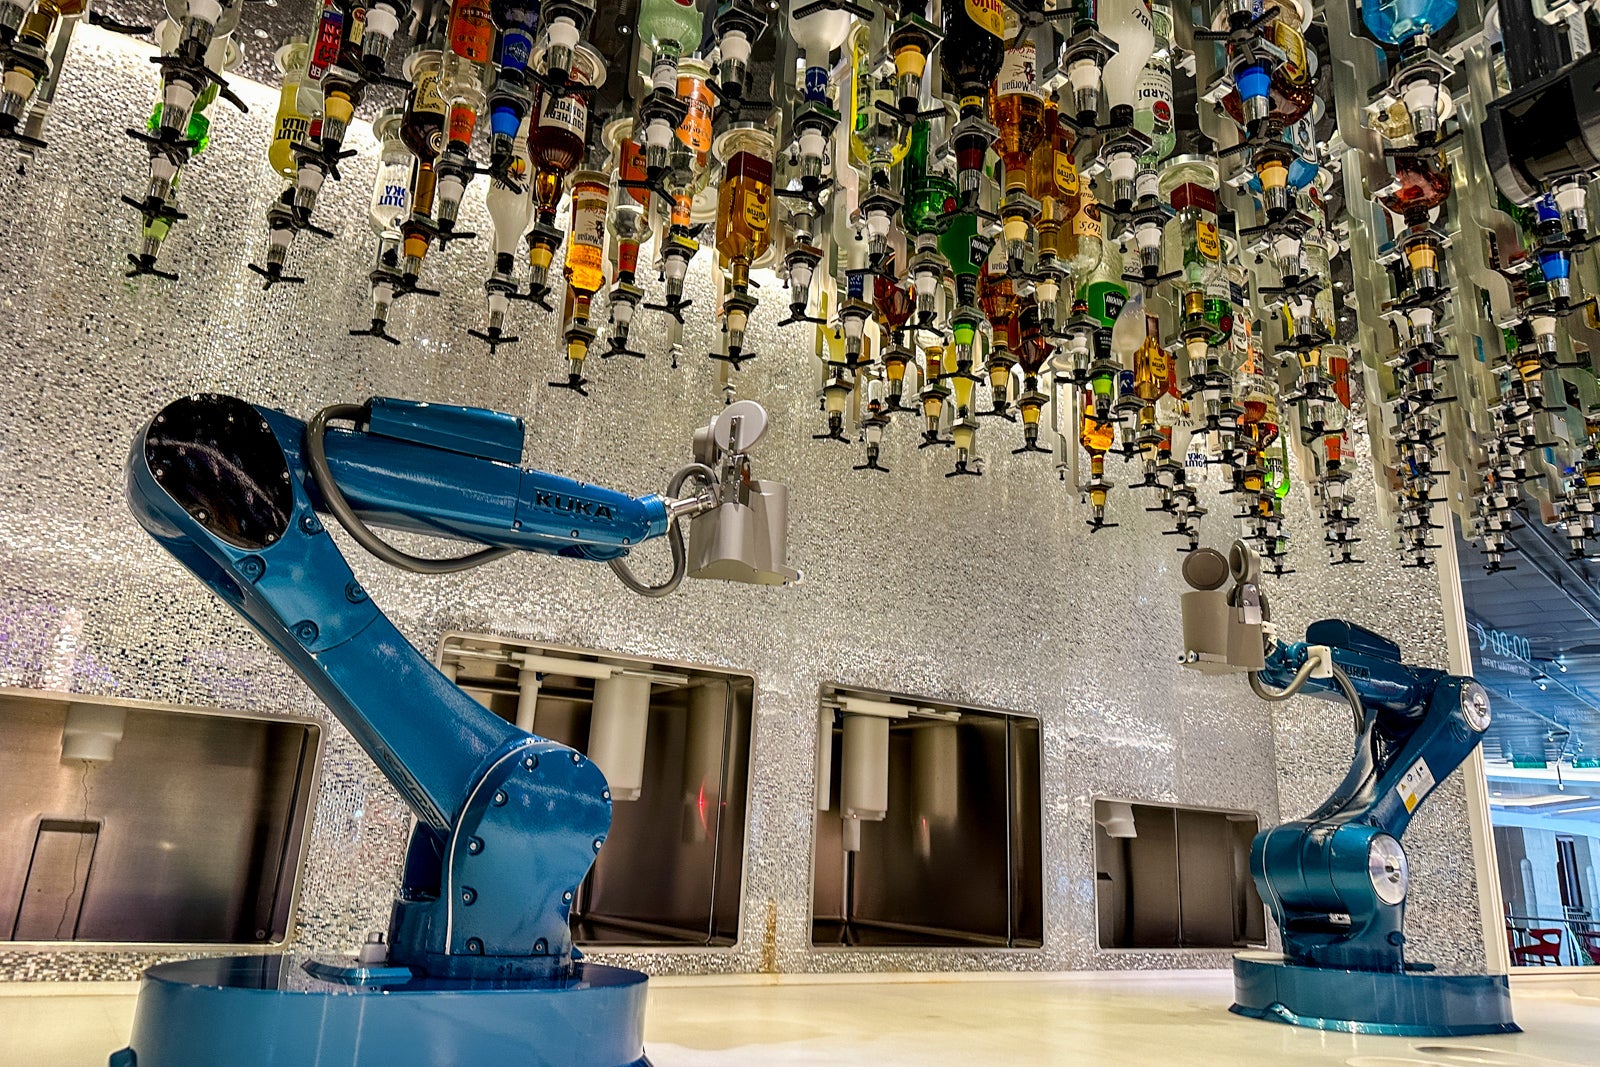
1552 563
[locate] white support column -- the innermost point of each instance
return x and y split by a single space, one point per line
1491 910
528 680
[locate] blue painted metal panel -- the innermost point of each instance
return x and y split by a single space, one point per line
430 739
1268 987
469 431
509 823
267 1011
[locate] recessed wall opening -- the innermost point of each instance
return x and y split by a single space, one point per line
674 744
58 874
132 823
928 828
1175 877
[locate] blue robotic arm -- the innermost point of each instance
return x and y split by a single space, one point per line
507 823
1336 881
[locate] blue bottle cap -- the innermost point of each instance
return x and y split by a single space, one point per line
1253 82
1554 265
503 121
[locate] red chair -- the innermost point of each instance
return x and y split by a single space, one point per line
1589 941
1545 947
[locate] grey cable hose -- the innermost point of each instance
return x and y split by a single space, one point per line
317 461
680 553
1259 688
1358 712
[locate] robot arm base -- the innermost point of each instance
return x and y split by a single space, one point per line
510 871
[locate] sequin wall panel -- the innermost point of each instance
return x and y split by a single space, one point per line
989 591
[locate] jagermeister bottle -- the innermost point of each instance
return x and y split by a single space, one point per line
965 252
971 56
1104 292
1103 298
973 49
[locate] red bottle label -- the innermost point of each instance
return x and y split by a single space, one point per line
330 35
631 168
463 120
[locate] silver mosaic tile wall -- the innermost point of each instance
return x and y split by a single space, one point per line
990 591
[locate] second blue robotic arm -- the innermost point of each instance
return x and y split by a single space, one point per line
1336 880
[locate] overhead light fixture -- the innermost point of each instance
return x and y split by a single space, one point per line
1574 811
1537 800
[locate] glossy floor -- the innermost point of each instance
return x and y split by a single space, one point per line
1116 1019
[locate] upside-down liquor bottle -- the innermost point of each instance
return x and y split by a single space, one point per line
743 222
584 267
555 147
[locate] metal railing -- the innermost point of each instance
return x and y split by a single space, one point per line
1572 950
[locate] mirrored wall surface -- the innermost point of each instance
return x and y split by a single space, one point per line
1175 877
1087 644
928 830
1533 632
674 744
126 823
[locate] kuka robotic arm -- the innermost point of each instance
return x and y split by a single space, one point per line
507 823
1336 880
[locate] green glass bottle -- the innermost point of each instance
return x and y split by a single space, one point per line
1278 470
1104 292
670 27
199 130
1105 296
929 193
956 244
